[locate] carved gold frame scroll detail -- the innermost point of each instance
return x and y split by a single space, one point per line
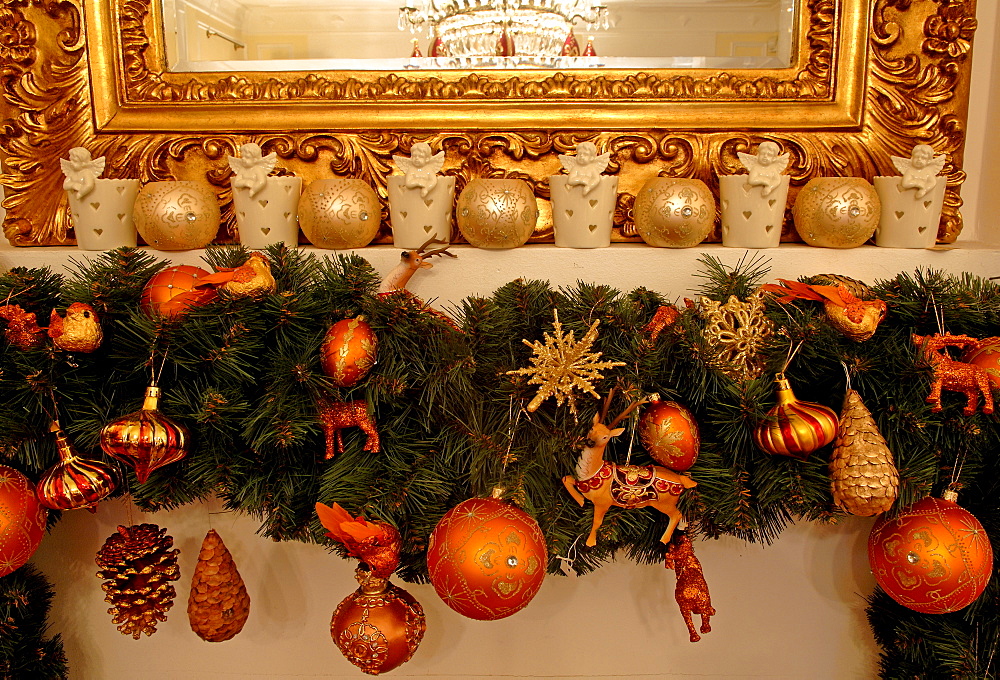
868 79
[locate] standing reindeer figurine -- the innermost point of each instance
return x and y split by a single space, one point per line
624 486
969 379
691 592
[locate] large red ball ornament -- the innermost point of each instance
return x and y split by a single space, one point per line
986 355
349 351
795 428
934 557
670 434
22 520
486 558
172 291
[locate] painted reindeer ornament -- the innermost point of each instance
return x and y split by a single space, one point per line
608 484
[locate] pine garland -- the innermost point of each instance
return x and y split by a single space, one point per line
26 651
244 376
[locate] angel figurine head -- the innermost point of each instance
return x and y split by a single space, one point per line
252 168
920 170
421 168
81 171
765 167
585 168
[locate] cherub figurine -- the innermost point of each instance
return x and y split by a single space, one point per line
81 171
920 170
252 168
765 168
421 168
586 167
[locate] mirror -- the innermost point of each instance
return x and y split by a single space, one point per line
259 35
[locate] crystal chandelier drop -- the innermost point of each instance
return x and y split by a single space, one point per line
490 28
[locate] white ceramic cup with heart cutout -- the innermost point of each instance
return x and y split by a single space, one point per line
583 219
102 219
270 216
907 221
415 218
750 217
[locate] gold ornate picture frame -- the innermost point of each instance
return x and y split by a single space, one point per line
868 79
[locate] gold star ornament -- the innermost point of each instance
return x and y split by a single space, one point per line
562 365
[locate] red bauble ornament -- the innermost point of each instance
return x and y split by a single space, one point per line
349 351
670 434
934 557
486 558
986 355
172 291
795 428
147 439
22 520
74 482
379 626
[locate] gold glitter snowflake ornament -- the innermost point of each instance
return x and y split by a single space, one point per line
561 365
737 333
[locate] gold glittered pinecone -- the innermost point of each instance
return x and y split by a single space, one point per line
218 605
858 289
864 478
138 566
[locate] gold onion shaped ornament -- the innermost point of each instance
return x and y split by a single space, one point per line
795 428
74 482
147 440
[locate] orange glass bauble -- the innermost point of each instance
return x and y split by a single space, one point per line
670 434
934 557
171 291
379 626
147 440
795 428
486 558
349 351
22 520
986 355
74 482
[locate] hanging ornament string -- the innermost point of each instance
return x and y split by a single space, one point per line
513 418
791 355
954 485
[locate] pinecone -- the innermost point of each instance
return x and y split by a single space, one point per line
858 289
218 605
138 566
864 478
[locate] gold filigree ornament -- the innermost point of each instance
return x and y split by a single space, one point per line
736 332
562 365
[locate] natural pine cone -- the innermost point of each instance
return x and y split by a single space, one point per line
858 289
218 605
138 565
864 478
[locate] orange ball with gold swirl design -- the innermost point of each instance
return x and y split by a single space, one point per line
486 558
670 434
795 428
349 351
22 520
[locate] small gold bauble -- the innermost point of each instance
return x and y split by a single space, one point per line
836 212
497 213
339 213
674 212
181 215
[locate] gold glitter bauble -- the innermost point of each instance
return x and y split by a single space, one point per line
863 476
836 212
674 212
181 215
497 213
339 213
737 332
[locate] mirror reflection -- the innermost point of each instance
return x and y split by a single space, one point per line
397 35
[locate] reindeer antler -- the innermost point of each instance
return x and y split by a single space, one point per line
628 411
422 250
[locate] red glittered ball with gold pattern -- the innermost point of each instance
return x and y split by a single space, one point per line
172 291
349 351
670 433
486 558
934 557
22 520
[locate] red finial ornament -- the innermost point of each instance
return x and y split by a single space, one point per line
590 51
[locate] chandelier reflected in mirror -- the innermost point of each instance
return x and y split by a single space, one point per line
532 30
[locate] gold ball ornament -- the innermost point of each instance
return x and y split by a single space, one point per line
674 212
670 433
836 212
22 520
986 355
795 428
339 213
379 626
147 440
349 351
497 213
179 215
934 557
486 558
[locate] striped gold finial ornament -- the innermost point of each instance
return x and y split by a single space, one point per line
147 439
795 428
74 482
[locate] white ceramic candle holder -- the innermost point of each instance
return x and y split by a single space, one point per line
907 221
751 219
583 220
102 220
269 217
416 218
